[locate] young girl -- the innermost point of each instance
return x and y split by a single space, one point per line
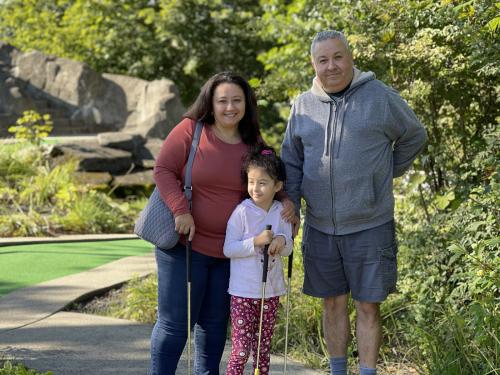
246 235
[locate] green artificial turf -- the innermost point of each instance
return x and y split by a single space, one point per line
24 265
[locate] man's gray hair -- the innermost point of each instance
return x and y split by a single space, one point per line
329 34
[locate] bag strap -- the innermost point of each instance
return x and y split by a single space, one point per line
188 188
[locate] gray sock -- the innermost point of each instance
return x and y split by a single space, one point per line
338 366
367 371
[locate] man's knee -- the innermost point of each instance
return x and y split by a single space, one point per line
367 310
336 305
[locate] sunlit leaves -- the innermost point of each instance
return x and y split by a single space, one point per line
32 127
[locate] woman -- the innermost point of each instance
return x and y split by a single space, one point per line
227 108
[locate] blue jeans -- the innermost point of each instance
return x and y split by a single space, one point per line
209 311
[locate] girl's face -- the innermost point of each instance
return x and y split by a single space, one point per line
262 187
228 104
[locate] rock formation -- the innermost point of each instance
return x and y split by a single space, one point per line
129 116
82 101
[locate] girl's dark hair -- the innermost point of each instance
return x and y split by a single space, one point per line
263 156
202 108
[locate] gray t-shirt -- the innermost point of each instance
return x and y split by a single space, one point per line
336 95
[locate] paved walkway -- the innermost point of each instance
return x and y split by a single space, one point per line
34 329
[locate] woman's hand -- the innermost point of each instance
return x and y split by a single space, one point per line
184 224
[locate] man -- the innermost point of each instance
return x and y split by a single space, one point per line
347 138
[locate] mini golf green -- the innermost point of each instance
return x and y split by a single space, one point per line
24 265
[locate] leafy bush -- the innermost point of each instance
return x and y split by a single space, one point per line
305 330
94 212
41 198
32 127
450 273
19 159
17 369
141 300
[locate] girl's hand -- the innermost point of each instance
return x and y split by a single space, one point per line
264 238
184 224
277 245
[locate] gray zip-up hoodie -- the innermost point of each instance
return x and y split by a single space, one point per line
342 154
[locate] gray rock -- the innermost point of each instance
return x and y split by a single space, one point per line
94 158
142 178
146 154
120 140
81 100
94 179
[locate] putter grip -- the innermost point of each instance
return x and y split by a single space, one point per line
266 259
290 265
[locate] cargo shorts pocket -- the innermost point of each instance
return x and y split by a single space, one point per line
389 267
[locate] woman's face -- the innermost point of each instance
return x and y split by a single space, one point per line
228 104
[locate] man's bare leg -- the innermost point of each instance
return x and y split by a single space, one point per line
337 332
368 332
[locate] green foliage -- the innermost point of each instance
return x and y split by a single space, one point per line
94 212
441 55
442 58
187 41
39 198
22 224
450 274
32 127
19 159
136 300
305 332
18 369
141 300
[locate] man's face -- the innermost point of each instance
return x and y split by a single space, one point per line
333 65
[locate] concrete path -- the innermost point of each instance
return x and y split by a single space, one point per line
35 331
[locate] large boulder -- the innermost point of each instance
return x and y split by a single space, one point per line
82 101
94 158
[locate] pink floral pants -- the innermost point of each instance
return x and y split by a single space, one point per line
245 315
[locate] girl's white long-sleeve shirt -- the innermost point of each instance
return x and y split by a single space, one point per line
246 222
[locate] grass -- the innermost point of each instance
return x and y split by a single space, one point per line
24 265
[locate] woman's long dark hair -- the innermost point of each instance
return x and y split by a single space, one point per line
202 108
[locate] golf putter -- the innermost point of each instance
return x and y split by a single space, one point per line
188 279
290 265
263 293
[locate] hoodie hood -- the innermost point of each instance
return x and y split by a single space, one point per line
358 79
248 203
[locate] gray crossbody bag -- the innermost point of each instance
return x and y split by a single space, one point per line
156 223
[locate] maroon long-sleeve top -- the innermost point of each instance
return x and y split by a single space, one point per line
216 180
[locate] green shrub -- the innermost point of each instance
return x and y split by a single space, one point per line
305 331
21 224
49 184
38 198
450 274
95 212
141 300
32 127
18 369
18 160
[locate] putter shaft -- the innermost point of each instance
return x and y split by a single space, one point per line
263 294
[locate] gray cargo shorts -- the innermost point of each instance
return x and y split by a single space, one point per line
363 263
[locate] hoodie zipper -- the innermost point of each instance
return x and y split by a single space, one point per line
333 107
329 131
